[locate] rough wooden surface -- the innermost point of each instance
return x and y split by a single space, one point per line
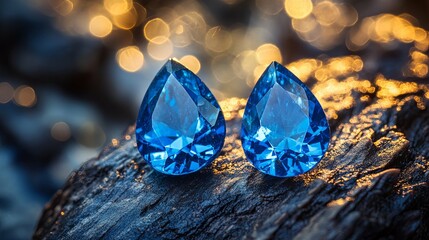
372 183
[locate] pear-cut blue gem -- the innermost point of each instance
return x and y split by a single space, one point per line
180 127
284 131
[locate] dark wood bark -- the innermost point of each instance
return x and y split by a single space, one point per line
372 183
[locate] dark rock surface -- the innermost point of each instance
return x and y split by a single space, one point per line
372 183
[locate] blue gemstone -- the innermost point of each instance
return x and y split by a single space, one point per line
180 127
284 131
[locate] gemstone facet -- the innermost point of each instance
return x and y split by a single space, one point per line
180 126
284 131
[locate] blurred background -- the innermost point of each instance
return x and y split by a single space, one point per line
73 72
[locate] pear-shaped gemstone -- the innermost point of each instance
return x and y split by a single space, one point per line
284 131
180 126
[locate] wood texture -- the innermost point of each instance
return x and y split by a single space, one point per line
372 183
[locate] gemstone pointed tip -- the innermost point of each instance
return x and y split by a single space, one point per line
272 64
275 66
173 64
173 60
278 65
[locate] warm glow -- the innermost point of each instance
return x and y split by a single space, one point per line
420 34
359 36
304 25
326 13
257 72
423 45
180 32
419 56
298 9
393 88
420 70
418 66
218 40
383 28
357 65
60 131
349 15
267 53
130 58
304 68
156 31
6 92
403 30
196 25
160 48
100 26
118 7
191 62
321 26
247 60
127 20
244 64
25 96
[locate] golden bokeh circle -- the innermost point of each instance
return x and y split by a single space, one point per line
156 31
191 62
100 26
267 53
25 96
60 131
130 58
298 9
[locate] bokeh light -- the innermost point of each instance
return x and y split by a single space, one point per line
60 131
126 20
196 24
191 62
298 9
25 96
156 31
117 7
218 40
326 13
130 58
181 35
6 92
268 53
100 26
